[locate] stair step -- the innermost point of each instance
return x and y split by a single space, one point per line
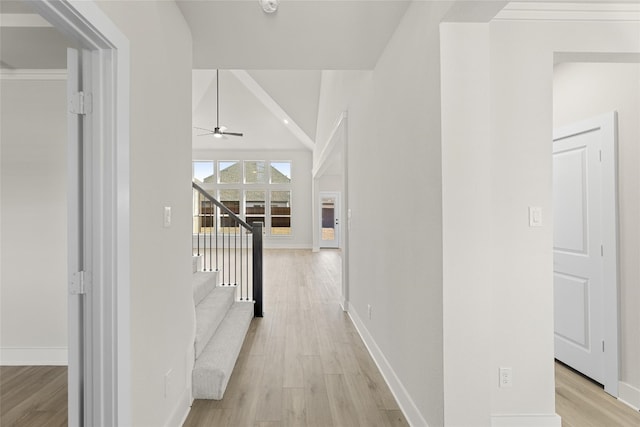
214 366
203 282
210 313
196 262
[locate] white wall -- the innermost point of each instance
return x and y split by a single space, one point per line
585 90
330 183
162 312
301 197
34 222
394 158
466 212
518 101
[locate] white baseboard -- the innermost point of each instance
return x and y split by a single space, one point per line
526 420
407 405
32 356
345 305
285 245
629 395
181 412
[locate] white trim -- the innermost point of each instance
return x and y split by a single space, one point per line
22 20
547 11
32 74
84 21
285 245
629 395
274 107
526 420
36 356
334 139
406 404
181 412
609 200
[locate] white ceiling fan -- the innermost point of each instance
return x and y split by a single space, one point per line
218 131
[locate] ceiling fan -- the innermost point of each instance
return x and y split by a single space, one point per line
218 131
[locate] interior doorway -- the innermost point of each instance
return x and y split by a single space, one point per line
329 220
585 285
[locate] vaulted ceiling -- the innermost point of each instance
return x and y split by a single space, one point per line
271 63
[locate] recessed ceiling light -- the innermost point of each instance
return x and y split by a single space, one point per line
286 122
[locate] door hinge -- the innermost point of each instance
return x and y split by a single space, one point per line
603 346
600 154
80 282
601 250
81 103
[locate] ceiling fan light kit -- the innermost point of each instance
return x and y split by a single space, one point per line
269 6
218 131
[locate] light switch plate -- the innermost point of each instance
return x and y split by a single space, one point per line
167 216
535 216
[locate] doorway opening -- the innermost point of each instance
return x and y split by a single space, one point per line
585 90
329 220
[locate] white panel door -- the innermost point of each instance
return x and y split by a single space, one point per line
578 265
329 220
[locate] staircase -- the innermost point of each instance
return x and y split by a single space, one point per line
221 325
227 290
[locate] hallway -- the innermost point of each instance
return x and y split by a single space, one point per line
303 364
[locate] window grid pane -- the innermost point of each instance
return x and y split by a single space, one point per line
230 172
255 172
255 206
280 173
280 213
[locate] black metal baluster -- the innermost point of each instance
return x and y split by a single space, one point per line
241 255
215 230
199 220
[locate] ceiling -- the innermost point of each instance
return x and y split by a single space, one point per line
301 35
283 55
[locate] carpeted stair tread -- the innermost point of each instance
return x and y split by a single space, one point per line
210 312
214 366
203 282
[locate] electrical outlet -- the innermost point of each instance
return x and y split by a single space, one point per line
506 377
369 311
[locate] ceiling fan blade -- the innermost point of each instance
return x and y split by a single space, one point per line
208 130
232 133
205 134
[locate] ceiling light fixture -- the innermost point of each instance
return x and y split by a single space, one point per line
269 6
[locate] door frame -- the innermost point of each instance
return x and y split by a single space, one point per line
338 215
336 145
607 123
107 399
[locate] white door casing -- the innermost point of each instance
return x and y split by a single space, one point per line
585 287
100 214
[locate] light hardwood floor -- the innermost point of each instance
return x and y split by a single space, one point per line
33 396
303 364
582 403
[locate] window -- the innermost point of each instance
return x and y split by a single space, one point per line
230 172
255 172
280 173
281 213
254 206
255 190
231 199
204 171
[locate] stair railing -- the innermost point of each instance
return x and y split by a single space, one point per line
223 241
